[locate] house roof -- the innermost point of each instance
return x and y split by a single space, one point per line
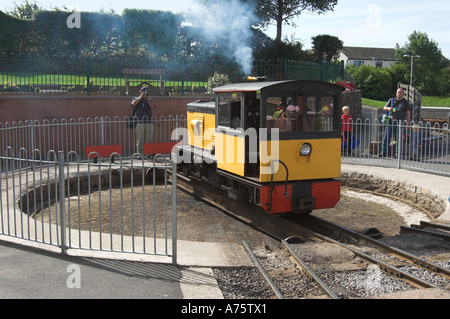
362 53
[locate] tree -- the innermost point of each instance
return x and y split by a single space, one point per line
25 10
13 33
326 47
284 11
288 50
150 32
427 69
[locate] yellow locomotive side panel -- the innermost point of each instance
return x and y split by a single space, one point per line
230 153
323 162
201 129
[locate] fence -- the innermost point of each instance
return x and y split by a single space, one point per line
55 191
28 74
419 146
84 136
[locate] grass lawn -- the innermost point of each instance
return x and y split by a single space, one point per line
439 101
373 103
68 80
436 101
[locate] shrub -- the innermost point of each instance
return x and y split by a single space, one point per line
375 83
12 88
217 80
91 85
443 88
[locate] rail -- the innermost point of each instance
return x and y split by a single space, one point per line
418 261
309 271
263 272
80 184
104 206
101 135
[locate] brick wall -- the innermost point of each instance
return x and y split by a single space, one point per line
41 108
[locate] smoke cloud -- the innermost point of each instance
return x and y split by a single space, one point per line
229 24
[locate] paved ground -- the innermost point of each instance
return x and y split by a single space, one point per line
33 273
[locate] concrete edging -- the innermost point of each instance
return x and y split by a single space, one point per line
402 185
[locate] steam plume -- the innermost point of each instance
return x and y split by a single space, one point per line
228 23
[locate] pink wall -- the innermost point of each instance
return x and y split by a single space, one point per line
41 108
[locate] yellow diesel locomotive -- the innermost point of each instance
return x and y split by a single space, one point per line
276 145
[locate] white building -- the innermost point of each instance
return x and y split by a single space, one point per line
380 57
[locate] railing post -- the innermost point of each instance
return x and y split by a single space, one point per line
174 208
322 71
88 77
286 69
182 77
102 131
399 144
62 199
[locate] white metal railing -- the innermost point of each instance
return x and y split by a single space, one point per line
74 135
418 146
47 175
55 191
107 206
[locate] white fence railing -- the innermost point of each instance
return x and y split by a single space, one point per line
123 206
418 146
52 191
82 135
55 191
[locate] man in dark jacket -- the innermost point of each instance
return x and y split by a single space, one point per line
398 110
142 109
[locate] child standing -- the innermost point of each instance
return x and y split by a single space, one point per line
346 129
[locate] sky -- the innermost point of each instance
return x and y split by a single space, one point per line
380 24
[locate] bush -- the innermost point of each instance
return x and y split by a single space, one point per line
443 87
377 83
217 80
12 88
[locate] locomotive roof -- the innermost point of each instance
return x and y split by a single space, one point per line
249 86
256 86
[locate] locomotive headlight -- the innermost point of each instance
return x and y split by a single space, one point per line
305 150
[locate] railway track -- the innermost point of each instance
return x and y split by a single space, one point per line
397 269
380 245
433 229
382 259
305 270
